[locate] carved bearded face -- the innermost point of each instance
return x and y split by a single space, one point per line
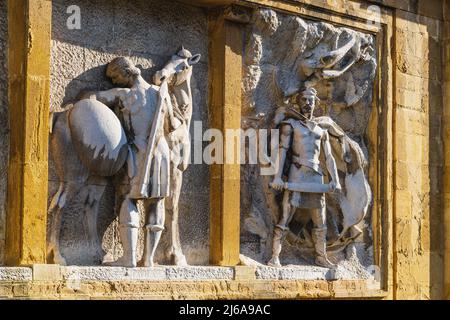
307 103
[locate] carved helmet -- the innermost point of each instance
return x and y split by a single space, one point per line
309 92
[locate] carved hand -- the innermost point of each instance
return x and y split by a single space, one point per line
86 95
277 184
335 187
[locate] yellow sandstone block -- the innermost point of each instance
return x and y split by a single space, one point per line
411 121
410 147
244 273
403 237
401 175
29 77
430 8
46 272
403 204
409 99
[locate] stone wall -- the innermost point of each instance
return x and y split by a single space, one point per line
418 152
148 32
4 137
446 135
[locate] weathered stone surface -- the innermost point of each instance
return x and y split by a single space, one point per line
294 272
431 8
419 145
46 272
446 128
16 274
212 289
4 125
158 273
226 42
197 273
29 78
190 283
245 273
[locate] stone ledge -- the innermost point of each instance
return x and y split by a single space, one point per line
51 272
158 273
211 289
165 282
15 274
295 273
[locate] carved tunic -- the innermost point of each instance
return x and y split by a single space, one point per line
305 145
138 122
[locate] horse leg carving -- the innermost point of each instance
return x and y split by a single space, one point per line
65 192
55 222
153 230
92 203
177 253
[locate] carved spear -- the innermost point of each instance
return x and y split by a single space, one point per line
158 121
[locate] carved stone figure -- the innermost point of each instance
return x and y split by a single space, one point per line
154 142
305 139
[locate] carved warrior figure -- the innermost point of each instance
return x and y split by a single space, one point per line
305 188
154 143
306 137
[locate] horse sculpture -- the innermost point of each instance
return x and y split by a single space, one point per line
90 144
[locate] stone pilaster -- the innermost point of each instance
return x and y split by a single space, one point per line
225 61
29 81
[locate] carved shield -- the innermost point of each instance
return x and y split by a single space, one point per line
98 137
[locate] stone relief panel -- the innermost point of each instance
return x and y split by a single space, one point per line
148 34
313 81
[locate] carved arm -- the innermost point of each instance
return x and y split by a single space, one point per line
285 142
108 97
330 162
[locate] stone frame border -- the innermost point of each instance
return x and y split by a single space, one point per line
28 100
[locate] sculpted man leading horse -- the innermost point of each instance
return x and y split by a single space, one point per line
152 138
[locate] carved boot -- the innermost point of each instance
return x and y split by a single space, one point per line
320 245
129 236
278 236
153 235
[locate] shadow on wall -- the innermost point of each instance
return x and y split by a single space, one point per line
436 165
